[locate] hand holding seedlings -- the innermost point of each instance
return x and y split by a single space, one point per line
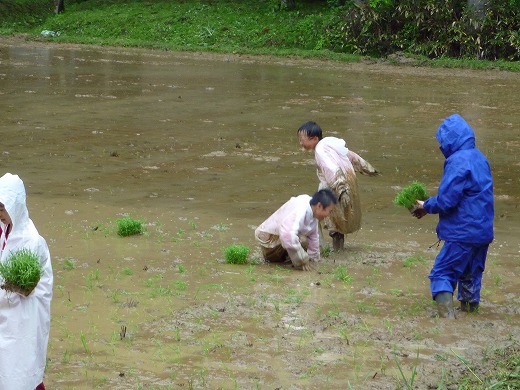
418 210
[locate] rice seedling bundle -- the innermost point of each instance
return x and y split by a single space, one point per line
236 254
128 227
21 271
409 194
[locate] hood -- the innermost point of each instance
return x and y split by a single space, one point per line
455 134
12 195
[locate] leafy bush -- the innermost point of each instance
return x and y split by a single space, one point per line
433 28
408 195
21 271
236 254
128 227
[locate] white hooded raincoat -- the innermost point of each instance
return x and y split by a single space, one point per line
337 167
24 321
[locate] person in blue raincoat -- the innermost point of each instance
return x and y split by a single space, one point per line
465 205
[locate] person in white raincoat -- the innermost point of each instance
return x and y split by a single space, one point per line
292 230
24 321
337 167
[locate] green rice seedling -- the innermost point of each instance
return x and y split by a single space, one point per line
83 338
236 254
69 264
463 361
325 251
21 271
128 226
409 194
412 261
181 285
341 273
395 292
128 271
408 383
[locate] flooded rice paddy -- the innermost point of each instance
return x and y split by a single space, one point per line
203 148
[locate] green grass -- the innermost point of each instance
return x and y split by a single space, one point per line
21 269
225 26
409 194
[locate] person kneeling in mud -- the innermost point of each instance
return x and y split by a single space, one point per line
292 231
337 167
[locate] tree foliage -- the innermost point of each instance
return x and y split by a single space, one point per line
434 28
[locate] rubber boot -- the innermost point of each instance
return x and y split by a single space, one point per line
471 307
445 305
338 240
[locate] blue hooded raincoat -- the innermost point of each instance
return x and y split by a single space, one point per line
465 206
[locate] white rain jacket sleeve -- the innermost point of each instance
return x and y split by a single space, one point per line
336 162
289 222
24 321
337 167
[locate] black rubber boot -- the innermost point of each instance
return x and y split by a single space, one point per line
445 305
471 307
338 240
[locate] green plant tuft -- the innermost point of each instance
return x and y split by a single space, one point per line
128 227
236 254
21 271
411 193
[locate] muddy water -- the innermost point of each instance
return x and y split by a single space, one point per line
203 148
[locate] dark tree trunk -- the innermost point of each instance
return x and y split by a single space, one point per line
60 6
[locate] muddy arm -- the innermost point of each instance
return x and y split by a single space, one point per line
360 165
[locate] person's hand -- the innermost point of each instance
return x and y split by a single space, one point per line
418 210
344 199
309 265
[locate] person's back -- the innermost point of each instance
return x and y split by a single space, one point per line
292 230
465 201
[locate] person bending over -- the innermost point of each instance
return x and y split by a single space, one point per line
337 167
292 231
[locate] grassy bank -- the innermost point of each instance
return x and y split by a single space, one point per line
246 27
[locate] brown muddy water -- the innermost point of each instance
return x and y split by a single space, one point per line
202 148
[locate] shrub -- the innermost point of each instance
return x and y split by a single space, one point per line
411 193
236 254
128 227
21 271
432 28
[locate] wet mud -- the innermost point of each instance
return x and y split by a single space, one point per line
202 148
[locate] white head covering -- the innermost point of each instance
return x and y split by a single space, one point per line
24 321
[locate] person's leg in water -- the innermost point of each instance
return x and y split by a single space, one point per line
470 282
338 240
450 264
275 255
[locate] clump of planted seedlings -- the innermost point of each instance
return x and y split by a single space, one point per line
411 193
236 254
128 226
21 272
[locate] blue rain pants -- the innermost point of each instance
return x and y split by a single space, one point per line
459 264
